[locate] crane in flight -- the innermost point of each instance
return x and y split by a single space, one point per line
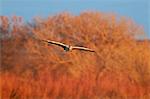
68 47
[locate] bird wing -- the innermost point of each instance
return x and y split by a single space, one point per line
82 48
56 43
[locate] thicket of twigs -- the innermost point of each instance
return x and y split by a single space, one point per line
119 69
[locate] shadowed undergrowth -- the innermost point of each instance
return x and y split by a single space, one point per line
119 69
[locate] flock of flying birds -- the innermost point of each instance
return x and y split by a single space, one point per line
68 47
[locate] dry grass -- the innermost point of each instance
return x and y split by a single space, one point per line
120 68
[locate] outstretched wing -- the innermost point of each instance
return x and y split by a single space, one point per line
56 43
82 48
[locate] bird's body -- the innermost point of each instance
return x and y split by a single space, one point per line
68 47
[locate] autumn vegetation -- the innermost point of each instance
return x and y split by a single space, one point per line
30 69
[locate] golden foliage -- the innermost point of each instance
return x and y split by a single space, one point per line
120 68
